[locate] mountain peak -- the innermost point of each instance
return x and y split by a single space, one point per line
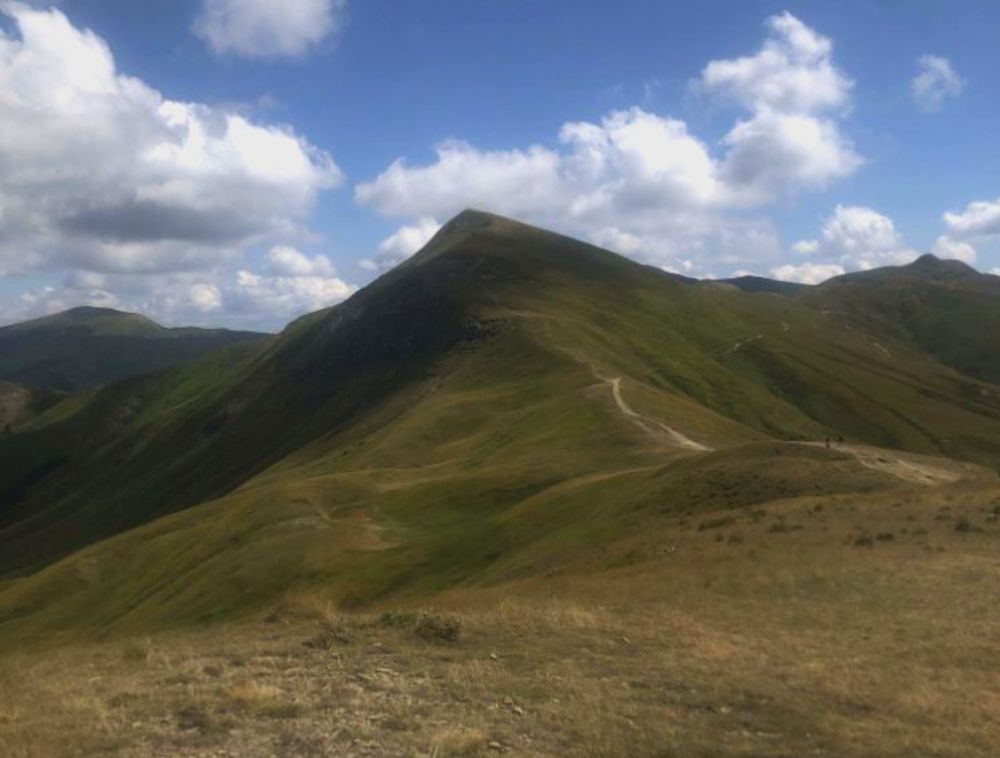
927 267
930 266
92 311
103 320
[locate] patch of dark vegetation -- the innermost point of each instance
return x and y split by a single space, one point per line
332 633
963 524
398 619
198 719
290 743
281 711
781 527
716 523
135 652
428 626
439 628
865 539
885 536
19 490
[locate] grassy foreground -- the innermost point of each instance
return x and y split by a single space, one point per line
854 625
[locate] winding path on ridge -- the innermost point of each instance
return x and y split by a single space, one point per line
650 425
906 466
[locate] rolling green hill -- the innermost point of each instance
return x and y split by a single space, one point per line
944 308
763 284
86 347
506 403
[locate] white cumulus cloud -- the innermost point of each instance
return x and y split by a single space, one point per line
948 247
807 273
806 247
100 171
855 237
401 244
284 260
642 182
792 73
106 181
258 299
268 28
289 296
935 81
979 219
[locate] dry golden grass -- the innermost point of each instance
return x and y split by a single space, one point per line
786 642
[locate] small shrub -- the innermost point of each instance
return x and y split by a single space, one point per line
281 711
864 540
197 718
885 536
398 619
962 524
331 634
135 652
781 527
438 628
735 539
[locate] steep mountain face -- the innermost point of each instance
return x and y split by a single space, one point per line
942 307
85 347
506 402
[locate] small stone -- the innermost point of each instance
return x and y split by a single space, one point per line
494 745
493 656
508 701
518 710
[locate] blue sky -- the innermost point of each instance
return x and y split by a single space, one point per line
212 161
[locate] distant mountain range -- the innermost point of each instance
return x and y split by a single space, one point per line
499 405
86 347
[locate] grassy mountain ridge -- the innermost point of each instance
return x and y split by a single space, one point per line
84 347
942 307
506 403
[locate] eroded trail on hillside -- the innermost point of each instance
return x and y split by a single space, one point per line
650 425
890 462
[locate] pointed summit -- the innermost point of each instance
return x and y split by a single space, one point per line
931 267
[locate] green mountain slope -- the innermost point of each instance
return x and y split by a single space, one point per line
85 347
18 405
508 402
763 284
944 308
